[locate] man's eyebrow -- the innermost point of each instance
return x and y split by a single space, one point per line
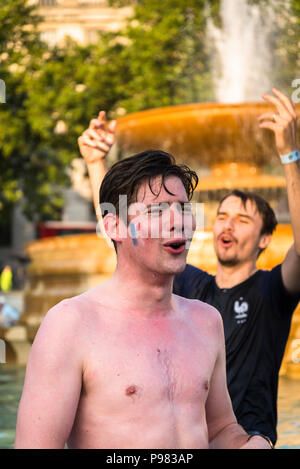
238 214
157 204
245 216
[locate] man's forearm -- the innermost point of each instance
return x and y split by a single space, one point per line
231 437
94 144
234 437
97 172
292 174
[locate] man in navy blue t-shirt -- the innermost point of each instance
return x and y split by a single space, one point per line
256 306
256 314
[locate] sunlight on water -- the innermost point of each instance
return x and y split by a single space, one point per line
288 414
11 384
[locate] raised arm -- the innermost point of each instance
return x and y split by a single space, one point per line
94 144
223 430
52 385
284 125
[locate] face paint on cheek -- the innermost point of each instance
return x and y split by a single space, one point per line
133 234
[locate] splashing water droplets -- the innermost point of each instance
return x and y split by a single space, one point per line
242 50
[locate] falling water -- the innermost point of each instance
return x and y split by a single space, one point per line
243 53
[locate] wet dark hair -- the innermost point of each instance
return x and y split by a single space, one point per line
264 209
127 175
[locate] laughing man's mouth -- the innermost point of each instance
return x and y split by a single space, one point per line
226 239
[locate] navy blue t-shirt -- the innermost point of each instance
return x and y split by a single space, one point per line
257 316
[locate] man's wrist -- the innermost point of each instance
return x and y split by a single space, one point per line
291 157
266 438
97 161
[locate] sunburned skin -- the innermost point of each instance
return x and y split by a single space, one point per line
128 364
136 383
146 385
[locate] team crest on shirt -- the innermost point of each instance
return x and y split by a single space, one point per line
241 310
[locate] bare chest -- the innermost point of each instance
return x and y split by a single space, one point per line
136 365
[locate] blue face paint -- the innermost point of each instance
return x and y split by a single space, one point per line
133 234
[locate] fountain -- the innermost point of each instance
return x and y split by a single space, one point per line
241 50
224 144
62 267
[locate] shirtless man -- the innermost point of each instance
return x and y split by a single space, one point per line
128 364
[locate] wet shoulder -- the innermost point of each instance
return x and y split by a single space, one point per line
64 315
200 311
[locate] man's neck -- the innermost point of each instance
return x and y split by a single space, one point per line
230 276
145 295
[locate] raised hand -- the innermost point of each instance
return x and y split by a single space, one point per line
283 123
96 141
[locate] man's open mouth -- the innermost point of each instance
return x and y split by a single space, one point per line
226 240
176 246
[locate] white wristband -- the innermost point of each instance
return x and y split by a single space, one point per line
290 157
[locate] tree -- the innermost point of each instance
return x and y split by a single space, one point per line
286 45
160 58
51 94
26 172
163 45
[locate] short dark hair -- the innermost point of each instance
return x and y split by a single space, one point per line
127 175
263 207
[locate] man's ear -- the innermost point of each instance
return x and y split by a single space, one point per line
114 227
265 241
110 226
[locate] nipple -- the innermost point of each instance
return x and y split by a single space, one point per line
130 390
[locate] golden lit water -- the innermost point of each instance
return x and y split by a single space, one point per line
288 414
202 134
11 384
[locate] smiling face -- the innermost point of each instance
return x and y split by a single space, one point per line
160 226
237 232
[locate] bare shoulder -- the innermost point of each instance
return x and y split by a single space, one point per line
73 312
201 311
65 314
62 329
72 319
207 311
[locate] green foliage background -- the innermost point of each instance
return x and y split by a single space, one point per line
158 59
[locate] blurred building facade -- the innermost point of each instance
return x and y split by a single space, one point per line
82 20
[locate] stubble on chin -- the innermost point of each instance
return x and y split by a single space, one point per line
227 261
